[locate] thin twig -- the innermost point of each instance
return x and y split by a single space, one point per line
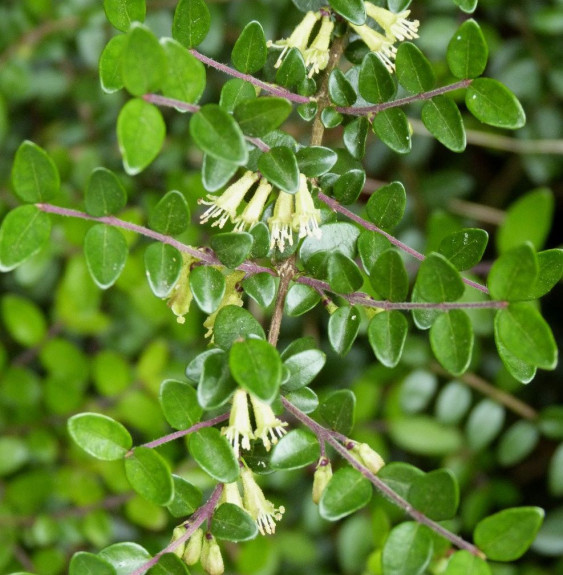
286 272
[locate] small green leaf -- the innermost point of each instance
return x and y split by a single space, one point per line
467 6
343 274
355 136
178 401
233 323
261 288
375 83
217 134
292 70
407 550
438 280
35 177
163 263
261 240
86 563
518 442
215 384
387 332
417 391
232 523
191 22
555 472
340 90
506 535
234 92
513 274
122 13
171 215
391 126
414 71
148 474
260 116
300 299
424 435
140 133
467 51
343 327
303 367
279 167
494 104
451 338
297 449
464 563
352 10
256 366
104 194
484 423
347 491
465 248
550 422
125 557
169 564
338 409
105 250
185 75
304 399
550 266
109 65
388 276
436 494
348 187
187 497
23 232
208 286
214 455
216 173
400 476
250 51
443 120
370 246
386 205
100 436
232 248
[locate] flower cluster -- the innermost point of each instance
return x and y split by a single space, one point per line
200 547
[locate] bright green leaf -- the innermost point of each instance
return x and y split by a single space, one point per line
122 13
347 491
250 52
261 288
343 327
35 177
187 497
467 51
438 280
338 409
550 266
149 475
407 550
215 384
279 167
300 299
85 563
303 367
451 338
513 273
109 65
163 263
23 319
315 160
184 79
391 126
443 120
104 194
424 435
178 401
292 70
297 449
387 332
518 442
465 563
388 276
465 248
105 250
234 323
414 71
125 557
484 423
232 523
214 455
436 494
191 22
171 215
208 286
352 10
260 116
232 248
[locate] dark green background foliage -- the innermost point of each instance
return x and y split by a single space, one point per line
67 347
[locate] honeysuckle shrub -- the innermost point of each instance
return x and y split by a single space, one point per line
278 287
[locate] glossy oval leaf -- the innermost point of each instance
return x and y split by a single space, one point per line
300 299
438 280
192 21
187 497
414 71
109 66
208 287
315 161
250 51
343 274
215 384
214 454
234 323
467 51
464 249
348 187
279 167
347 491
125 557
260 116
338 409
149 475
407 550
463 562
184 79
375 83
216 173
513 274
392 128
83 562
171 215
451 338
122 13
386 205
178 401
35 177
232 523
343 327
442 119
292 70
387 333
232 248
436 494
303 367
261 288
297 449
104 193
163 264
550 270
388 276
340 90
352 10
105 250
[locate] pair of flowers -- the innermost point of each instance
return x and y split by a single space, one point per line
291 211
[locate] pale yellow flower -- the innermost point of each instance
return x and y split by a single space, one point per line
239 431
379 44
258 507
253 211
280 222
306 218
317 55
299 37
268 427
397 27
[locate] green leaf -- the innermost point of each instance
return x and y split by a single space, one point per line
83 563
355 136
343 327
185 75
518 442
386 205
260 116
261 288
178 401
250 51
233 323
387 332
505 536
352 10
370 246
331 118
464 249
100 436
187 497
171 215
414 71
388 276
467 51
140 133
214 455
513 274
392 128
417 391
438 280
256 366
191 22
424 435
464 563
524 332
442 119
407 550
304 399
344 276
452 403
143 62
347 491
340 90
550 265
122 13
550 422
484 423
279 167
300 299
261 240
527 220
169 564
555 472
292 70
338 409
215 384
400 476
234 92
303 367
149 475
105 250
375 83
494 104
467 6
216 173
349 185
451 338
104 194
23 233
109 65
14 454
232 248
208 286
163 263
217 134
35 177
125 557
232 523
297 449
436 494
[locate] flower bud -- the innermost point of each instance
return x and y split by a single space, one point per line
176 534
192 551
322 476
211 558
368 457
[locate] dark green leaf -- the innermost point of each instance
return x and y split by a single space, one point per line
343 327
260 116
83 563
506 535
331 118
343 274
169 564
347 491
451 338
233 323
304 399
375 83
100 436
191 22
465 248
423 317
400 476
340 90
261 238
438 280
122 13
216 173
467 51
494 104
370 246
106 251
442 119
306 5
297 449
300 299
292 70
208 286
436 494
352 10
232 523
279 167
250 52
315 160
195 367
355 135
125 557
338 410
261 288
519 440
232 248
550 265
149 475
392 128
513 274
171 215
163 263
386 205
104 194
234 92
109 66
303 367
35 177
388 276
464 563
407 550
414 71
218 135
484 423
349 186
178 401
214 455
185 75
215 385
423 435
387 333
187 497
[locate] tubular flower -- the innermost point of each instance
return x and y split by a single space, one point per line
306 218
280 222
255 207
368 457
379 44
317 55
268 427
224 207
193 548
239 430
299 37
231 494
259 508
211 558
396 26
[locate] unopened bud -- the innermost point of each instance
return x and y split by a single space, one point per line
192 552
176 534
368 457
211 558
322 476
